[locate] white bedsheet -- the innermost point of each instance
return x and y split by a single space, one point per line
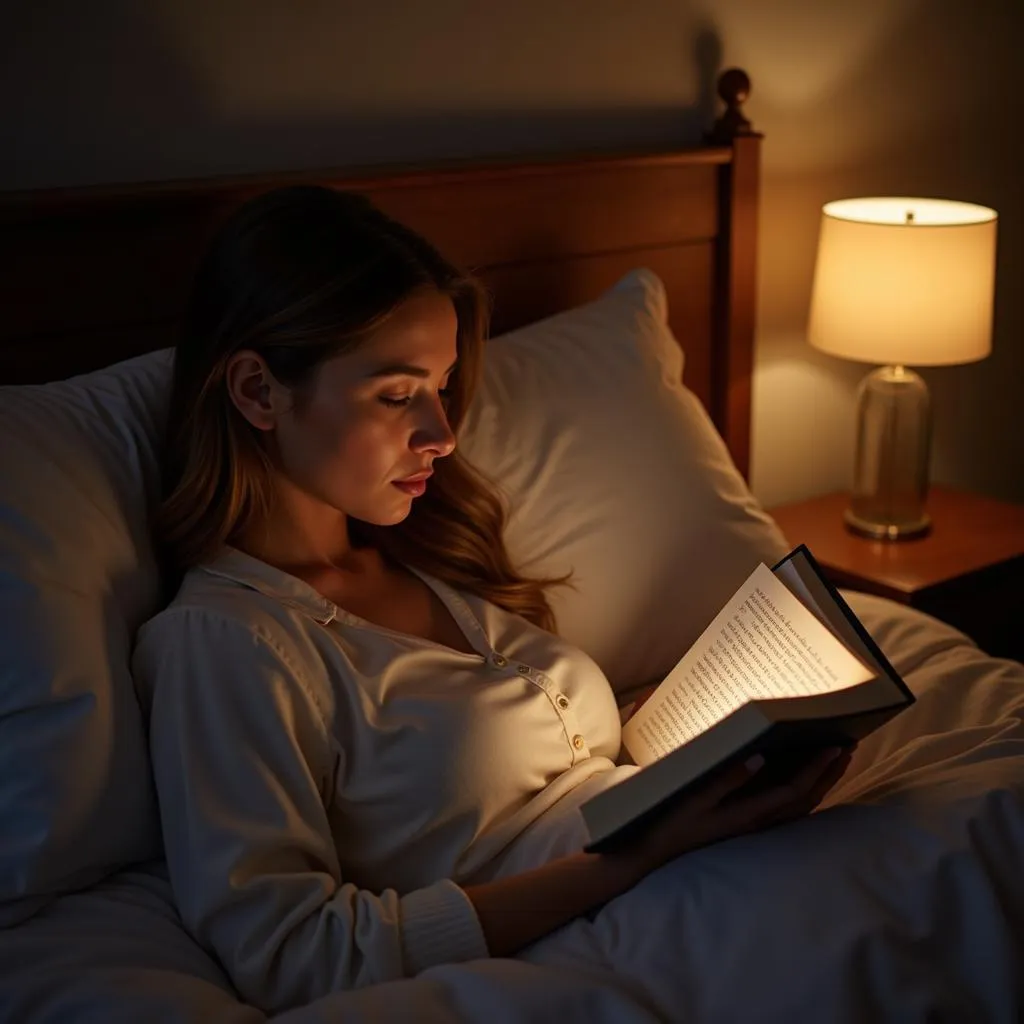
903 904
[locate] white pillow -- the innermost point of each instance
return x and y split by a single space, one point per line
614 470
78 465
612 467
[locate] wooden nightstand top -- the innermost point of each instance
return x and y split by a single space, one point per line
969 532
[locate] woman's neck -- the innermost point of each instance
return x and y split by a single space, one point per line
301 535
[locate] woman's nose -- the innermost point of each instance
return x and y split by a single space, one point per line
434 433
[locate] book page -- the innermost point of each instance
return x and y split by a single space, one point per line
764 643
802 580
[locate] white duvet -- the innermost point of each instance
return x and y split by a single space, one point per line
901 900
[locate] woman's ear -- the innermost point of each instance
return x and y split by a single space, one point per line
254 390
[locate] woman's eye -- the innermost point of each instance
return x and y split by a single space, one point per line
397 403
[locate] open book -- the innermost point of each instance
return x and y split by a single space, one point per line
784 670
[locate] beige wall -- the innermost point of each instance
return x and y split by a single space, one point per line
891 96
899 97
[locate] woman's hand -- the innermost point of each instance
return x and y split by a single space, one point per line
716 811
519 909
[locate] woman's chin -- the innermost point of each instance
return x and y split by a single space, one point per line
391 516
385 512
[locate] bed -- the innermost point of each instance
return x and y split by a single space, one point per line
615 412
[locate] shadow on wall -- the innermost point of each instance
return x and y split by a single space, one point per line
118 93
927 105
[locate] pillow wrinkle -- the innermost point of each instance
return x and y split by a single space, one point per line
77 575
614 469
77 479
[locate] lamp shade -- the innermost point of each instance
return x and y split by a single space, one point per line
904 281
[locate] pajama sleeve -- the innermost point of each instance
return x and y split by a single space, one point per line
244 763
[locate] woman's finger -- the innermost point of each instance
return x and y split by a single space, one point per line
775 803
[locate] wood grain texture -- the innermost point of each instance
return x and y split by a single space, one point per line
536 290
969 533
93 276
736 288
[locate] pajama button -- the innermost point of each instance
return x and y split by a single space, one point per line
577 741
562 701
498 660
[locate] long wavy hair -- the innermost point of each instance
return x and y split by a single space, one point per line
299 275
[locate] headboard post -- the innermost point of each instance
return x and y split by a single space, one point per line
736 291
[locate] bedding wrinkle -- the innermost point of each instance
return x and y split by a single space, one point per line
901 900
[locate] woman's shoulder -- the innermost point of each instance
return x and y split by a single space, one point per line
203 599
218 637
221 617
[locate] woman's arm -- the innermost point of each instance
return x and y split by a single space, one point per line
244 765
518 910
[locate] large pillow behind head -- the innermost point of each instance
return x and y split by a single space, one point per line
78 463
615 471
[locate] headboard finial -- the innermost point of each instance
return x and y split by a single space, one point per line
734 88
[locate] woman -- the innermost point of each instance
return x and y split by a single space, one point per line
358 709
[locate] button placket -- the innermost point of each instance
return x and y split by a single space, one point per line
561 704
573 729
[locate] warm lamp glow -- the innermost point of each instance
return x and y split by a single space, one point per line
904 281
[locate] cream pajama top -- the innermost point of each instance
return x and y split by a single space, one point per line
326 785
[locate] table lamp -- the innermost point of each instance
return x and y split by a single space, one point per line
900 281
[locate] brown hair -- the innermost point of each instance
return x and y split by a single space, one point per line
299 275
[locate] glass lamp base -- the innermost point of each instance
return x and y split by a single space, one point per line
890 486
886 531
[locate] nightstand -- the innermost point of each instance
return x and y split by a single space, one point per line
968 571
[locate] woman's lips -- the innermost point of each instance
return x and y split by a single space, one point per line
414 485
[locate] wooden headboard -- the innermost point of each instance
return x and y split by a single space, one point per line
92 276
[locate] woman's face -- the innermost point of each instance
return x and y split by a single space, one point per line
375 422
